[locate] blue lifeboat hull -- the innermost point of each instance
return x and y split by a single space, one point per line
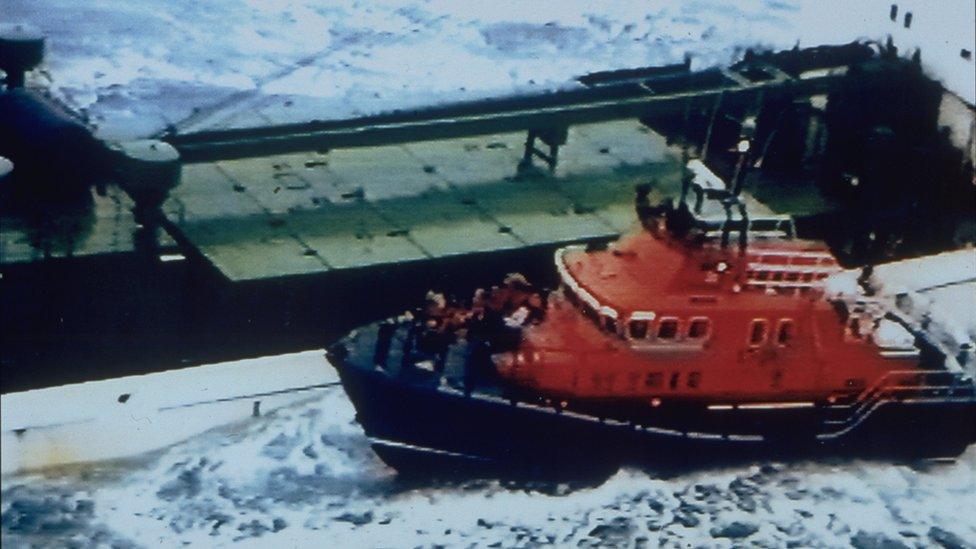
417 419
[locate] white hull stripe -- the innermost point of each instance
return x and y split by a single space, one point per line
423 449
762 406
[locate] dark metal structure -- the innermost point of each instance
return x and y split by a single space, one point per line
672 91
88 293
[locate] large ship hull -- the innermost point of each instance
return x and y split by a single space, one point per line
417 419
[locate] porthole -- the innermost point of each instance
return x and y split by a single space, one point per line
699 328
785 332
668 328
757 332
638 329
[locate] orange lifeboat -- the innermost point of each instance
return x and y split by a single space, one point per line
698 332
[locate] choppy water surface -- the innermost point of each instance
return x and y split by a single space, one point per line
136 67
305 475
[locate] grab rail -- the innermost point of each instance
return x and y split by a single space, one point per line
884 391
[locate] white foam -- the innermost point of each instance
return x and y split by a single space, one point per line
438 51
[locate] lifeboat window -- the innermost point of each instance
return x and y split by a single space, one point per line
654 379
785 333
757 332
694 380
633 378
698 329
638 329
668 328
610 324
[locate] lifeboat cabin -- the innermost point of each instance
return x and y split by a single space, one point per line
678 332
675 318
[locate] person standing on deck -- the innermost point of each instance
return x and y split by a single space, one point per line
413 331
478 356
384 338
642 205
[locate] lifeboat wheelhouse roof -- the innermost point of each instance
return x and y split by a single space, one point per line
647 272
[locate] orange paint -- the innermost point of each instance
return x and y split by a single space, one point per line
661 318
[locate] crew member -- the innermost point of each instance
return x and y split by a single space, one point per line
642 205
384 338
413 331
477 360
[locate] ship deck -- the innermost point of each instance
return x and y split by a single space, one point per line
313 213
417 369
317 212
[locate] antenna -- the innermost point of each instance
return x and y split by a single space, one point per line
711 125
743 148
686 175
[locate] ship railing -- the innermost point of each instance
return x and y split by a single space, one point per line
791 270
605 317
886 307
765 227
783 282
815 260
897 386
924 337
903 378
815 257
799 269
567 279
